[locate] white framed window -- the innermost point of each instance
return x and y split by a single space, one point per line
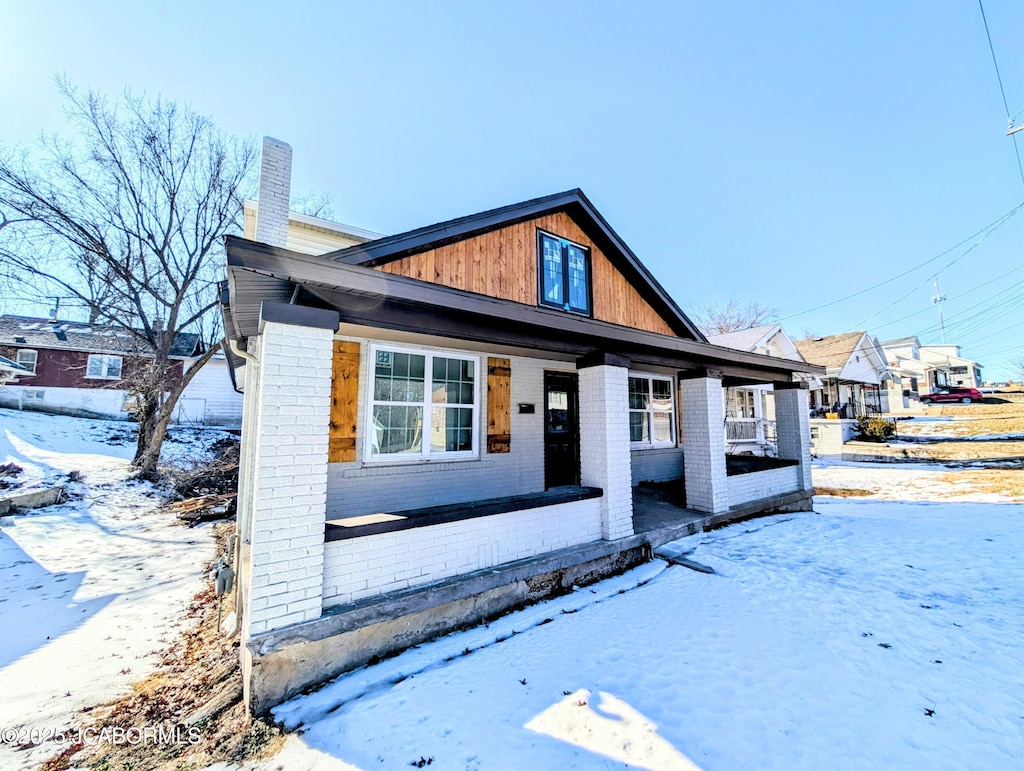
28 359
652 411
104 367
33 395
422 404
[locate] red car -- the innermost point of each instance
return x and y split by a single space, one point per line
964 395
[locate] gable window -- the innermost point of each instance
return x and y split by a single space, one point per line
104 367
423 405
652 413
564 271
28 359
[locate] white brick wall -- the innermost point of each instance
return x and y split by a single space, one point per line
289 484
604 445
360 488
371 566
703 421
793 427
662 464
274 192
744 488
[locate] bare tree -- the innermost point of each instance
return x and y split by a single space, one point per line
1017 362
717 319
314 203
126 220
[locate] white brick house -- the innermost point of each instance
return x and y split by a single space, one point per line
445 423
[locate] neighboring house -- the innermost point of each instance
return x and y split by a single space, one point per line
960 372
9 371
77 368
922 369
750 410
445 423
856 374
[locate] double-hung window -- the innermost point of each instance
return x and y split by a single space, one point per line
104 367
28 359
652 414
423 405
564 270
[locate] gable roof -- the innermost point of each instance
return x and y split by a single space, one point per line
29 332
831 352
573 202
745 339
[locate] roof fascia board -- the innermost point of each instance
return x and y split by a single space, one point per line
352 279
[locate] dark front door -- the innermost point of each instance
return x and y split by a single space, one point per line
561 430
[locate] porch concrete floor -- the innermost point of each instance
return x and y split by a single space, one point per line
660 517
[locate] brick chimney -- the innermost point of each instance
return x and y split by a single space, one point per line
274 192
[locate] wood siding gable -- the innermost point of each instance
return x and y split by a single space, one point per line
503 263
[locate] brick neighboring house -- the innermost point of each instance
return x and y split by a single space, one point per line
446 423
76 368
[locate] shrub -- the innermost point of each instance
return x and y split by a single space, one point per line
875 429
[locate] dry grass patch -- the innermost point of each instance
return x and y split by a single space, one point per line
195 695
982 426
842 492
1008 482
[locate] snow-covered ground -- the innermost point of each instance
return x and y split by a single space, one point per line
880 632
872 634
90 590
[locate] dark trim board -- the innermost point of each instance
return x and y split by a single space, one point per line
374 298
441 515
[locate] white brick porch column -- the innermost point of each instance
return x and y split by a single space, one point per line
288 479
793 427
604 440
703 421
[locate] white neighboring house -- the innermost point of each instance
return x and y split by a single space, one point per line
919 370
857 376
750 409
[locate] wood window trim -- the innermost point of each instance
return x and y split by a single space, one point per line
425 456
651 444
564 306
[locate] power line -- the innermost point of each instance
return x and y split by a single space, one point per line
1002 91
992 225
959 296
949 264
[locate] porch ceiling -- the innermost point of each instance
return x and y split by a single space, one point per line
368 297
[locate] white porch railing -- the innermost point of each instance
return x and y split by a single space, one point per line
750 431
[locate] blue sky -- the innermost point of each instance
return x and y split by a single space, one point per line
787 153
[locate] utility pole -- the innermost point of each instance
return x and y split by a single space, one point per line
938 300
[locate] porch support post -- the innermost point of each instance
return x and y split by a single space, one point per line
288 476
604 440
793 427
703 420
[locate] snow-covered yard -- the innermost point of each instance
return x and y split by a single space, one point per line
872 634
90 590
885 631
